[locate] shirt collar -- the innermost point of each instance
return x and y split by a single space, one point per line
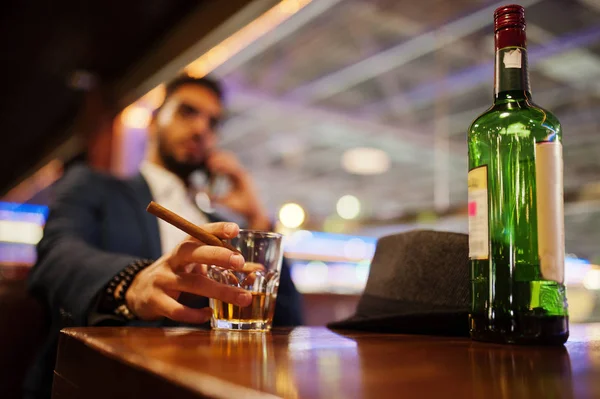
162 182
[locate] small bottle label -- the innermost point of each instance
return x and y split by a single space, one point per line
550 210
478 214
512 58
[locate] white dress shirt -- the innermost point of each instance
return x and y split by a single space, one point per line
169 191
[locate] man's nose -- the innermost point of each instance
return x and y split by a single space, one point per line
201 126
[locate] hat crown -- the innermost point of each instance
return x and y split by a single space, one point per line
422 266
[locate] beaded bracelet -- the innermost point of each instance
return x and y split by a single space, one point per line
116 300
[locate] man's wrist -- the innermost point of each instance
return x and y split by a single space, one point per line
113 299
260 221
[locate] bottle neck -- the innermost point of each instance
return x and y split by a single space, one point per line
511 73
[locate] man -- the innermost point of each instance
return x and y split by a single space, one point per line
103 260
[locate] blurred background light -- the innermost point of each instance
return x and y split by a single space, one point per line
20 232
291 215
136 117
297 237
317 245
23 212
334 224
356 248
362 270
317 271
592 280
348 207
365 161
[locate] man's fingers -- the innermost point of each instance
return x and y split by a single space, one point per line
194 252
201 285
222 229
223 162
250 267
196 268
174 310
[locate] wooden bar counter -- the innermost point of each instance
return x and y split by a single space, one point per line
314 362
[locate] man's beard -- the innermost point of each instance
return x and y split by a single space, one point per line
181 169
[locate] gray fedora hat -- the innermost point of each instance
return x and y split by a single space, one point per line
419 283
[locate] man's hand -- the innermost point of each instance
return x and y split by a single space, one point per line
154 291
242 198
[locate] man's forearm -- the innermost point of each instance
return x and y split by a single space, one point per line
70 274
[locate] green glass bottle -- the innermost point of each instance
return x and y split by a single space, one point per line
516 217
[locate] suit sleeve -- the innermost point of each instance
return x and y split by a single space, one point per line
71 270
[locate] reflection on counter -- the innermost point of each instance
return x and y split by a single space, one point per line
332 360
518 372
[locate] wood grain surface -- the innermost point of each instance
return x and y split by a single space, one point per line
314 362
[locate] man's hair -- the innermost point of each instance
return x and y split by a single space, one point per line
183 80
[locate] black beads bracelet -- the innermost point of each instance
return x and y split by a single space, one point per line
115 300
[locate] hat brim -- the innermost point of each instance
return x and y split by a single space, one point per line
375 313
445 323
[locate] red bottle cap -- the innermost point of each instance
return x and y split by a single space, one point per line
510 16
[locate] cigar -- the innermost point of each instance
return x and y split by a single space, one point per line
187 226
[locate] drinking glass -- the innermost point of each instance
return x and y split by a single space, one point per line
263 253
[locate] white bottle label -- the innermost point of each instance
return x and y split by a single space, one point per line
478 214
512 59
550 210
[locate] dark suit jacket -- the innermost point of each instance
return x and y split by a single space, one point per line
96 226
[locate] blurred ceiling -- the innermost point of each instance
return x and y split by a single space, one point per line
406 77
44 43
